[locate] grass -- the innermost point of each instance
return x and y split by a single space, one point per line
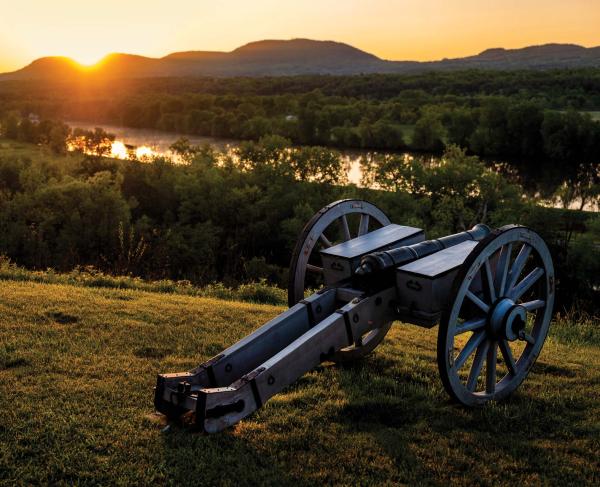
78 364
254 292
594 115
12 149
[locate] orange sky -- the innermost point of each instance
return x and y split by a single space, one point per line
400 29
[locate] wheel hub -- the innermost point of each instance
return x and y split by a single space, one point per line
507 320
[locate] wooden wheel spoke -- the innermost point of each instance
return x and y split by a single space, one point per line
508 357
528 281
502 269
470 325
478 302
314 268
477 365
517 266
490 368
533 305
488 281
526 337
325 240
473 342
345 228
363 226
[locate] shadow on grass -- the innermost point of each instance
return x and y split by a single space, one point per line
401 410
524 431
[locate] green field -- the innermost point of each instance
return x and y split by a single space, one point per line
78 364
594 115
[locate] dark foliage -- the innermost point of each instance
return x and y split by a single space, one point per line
235 217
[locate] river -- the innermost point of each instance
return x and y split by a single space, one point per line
146 143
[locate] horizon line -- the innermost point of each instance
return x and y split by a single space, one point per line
112 53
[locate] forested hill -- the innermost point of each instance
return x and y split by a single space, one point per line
297 57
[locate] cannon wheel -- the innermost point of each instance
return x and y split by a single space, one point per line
502 299
314 235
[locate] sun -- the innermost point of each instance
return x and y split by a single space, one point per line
88 59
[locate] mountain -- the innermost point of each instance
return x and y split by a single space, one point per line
536 57
47 67
297 57
273 57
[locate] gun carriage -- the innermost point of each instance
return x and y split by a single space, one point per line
490 291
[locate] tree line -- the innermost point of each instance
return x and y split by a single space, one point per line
235 217
531 119
550 149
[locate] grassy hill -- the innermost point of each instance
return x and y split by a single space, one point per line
78 364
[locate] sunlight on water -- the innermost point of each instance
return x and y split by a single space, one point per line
145 144
119 150
145 152
354 169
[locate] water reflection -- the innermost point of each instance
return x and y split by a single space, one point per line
144 144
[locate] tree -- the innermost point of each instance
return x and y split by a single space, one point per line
58 137
429 133
491 135
97 142
524 123
223 125
199 122
256 127
27 131
461 123
318 164
454 193
65 223
570 141
10 126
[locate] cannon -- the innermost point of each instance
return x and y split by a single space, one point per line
490 291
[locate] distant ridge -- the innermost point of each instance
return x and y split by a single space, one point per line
300 57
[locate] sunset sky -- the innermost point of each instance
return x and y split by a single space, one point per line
398 30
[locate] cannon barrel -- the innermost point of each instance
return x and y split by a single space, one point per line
380 261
